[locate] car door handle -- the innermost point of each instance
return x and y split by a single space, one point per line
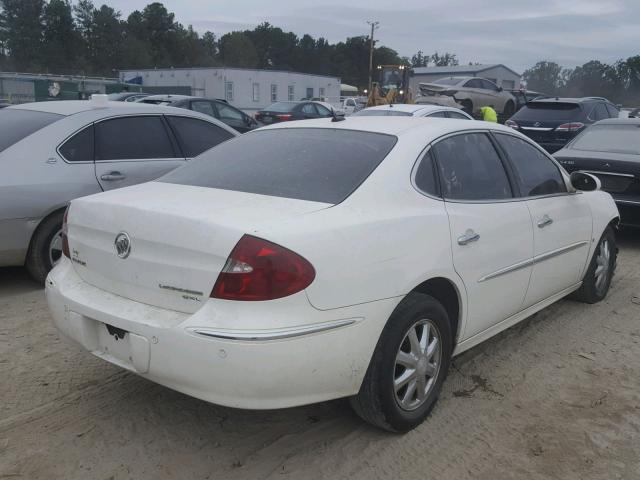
545 221
112 176
468 237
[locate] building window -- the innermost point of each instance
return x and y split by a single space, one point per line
292 93
309 92
321 92
256 92
274 92
228 91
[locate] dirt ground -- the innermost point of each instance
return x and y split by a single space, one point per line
557 396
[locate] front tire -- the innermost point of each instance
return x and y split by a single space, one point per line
408 367
597 279
46 247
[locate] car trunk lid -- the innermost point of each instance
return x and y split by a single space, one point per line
179 238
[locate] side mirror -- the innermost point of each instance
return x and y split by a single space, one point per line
585 182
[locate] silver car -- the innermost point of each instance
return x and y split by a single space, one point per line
53 152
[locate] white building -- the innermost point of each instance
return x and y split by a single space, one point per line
246 89
497 73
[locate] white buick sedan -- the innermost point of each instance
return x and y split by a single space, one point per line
314 260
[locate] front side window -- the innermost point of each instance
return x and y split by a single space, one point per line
203 107
438 114
487 85
309 109
323 111
227 112
195 136
473 83
79 148
314 164
535 173
128 138
16 124
457 115
470 168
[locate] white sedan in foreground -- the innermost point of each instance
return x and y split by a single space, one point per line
314 260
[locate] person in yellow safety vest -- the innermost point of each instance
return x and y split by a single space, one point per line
489 114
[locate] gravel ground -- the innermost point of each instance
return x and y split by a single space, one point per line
557 396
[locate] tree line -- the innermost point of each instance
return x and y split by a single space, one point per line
619 82
58 36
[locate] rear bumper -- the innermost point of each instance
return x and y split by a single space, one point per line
323 356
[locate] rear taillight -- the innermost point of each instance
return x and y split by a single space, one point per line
512 124
65 238
284 117
570 127
260 270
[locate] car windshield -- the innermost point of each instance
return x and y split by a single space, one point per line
610 138
16 124
448 81
381 113
281 107
547 111
314 164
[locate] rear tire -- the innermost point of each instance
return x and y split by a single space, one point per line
509 110
597 279
408 367
43 252
467 106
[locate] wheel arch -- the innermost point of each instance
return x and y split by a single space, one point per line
450 295
52 211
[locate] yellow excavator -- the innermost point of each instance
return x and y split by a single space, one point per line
392 86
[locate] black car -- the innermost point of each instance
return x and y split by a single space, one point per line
553 122
285 111
610 150
215 108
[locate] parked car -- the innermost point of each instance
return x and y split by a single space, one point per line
472 93
127 96
287 111
524 96
53 152
553 122
313 260
610 150
215 108
413 110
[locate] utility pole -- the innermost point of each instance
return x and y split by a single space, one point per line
374 26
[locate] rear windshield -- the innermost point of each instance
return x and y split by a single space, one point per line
381 113
315 164
17 124
281 107
550 112
610 138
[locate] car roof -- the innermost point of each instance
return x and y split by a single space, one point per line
567 100
395 125
72 107
171 97
619 121
410 108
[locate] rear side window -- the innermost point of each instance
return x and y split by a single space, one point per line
79 148
425 178
548 111
16 124
315 164
132 138
438 114
227 112
195 136
535 173
613 111
203 107
470 168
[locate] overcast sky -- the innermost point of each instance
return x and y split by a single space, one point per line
514 32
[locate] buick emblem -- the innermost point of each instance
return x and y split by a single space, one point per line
123 245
